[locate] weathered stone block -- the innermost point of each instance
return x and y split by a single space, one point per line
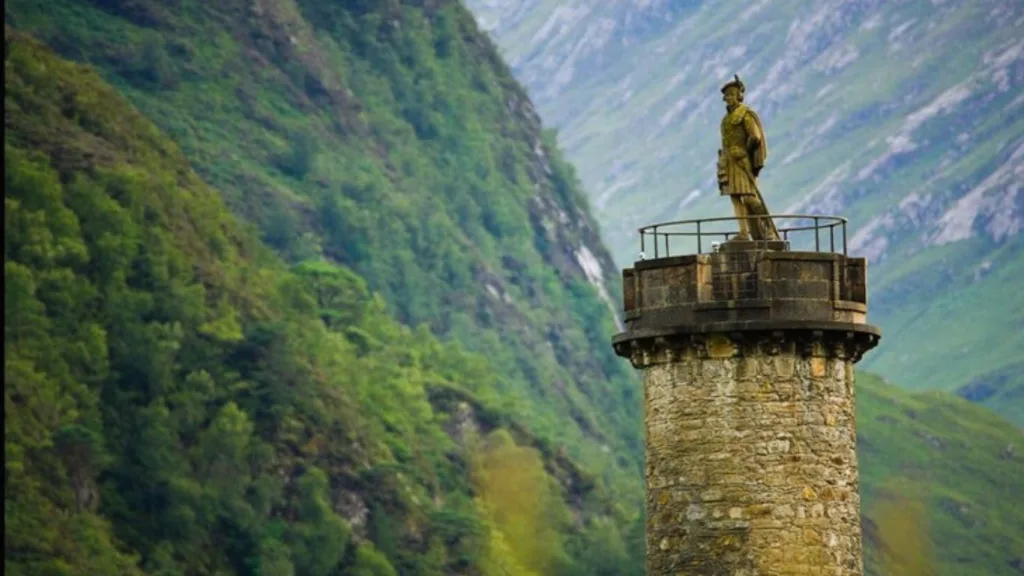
629 290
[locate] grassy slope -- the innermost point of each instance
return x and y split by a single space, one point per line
975 334
941 481
834 81
391 138
178 401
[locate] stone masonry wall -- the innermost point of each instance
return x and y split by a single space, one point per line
751 462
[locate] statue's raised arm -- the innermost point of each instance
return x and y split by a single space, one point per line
740 160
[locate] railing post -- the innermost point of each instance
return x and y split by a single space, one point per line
844 237
655 241
832 238
643 235
817 240
668 251
699 246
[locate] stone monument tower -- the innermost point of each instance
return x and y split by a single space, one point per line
747 351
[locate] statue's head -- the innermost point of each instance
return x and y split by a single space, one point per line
732 92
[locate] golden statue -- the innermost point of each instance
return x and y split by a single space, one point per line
741 158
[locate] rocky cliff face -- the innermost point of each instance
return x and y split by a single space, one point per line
905 117
553 46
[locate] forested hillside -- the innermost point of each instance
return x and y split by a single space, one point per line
905 117
389 137
178 401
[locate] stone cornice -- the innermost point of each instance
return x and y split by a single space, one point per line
808 340
756 299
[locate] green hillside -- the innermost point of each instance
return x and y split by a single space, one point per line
905 117
389 137
972 337
177 401
940 484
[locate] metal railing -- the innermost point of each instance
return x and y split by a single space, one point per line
827 231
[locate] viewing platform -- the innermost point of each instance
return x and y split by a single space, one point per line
695 278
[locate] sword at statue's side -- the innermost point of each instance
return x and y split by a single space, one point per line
767 214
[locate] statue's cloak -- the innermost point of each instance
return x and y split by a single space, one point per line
759 154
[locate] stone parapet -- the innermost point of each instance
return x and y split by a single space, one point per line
811 296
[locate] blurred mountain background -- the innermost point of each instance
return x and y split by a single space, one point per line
306 287
906 117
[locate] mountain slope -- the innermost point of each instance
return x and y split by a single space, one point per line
389 137
940 484
178 401
905 117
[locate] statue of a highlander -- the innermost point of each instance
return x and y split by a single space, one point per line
741 158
